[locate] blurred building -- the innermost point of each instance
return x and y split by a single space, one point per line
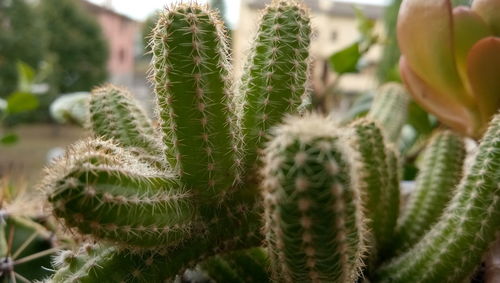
334 27
122 34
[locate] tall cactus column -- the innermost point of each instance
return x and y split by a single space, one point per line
439 175
191 73
379 182
314 223
275 79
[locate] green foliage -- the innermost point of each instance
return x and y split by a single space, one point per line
76 42
347 59
20 102
22 38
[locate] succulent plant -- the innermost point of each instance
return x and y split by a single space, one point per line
197 190
330 206
159 200
451 60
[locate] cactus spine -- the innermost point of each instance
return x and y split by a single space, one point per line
114 114
315 230
278 64
454 246
379 187
191 76
440 173
389 109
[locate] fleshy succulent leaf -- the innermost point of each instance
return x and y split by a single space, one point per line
489 11
483 69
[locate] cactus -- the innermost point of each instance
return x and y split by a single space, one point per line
156 201
389 108
451 250
379 188
441 171
315 230
162 200
240 266
278 63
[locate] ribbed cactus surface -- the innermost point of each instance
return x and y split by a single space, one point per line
277 64
453 247
441 171
315 230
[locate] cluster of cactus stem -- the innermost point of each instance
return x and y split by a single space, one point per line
219 177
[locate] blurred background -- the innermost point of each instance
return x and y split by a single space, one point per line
52 48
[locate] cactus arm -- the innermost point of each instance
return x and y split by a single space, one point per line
454 246
394 197
439 175
111 264
389 109
101 190
380 198
114 114
314 231
240 266
220 270
108 264
191 76
275 74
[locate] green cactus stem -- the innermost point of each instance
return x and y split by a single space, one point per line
114 114
315 230
238 267
191 72
378 184
112 264
452 249
103 190
440 173
275 79
389 109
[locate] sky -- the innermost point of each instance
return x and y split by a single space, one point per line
140 9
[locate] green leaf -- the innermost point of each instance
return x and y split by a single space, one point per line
365 24
26 76
9 139
419 119
346 60
21 102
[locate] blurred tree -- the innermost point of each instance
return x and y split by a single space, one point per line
77 44
22 38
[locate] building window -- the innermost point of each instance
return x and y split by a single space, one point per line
121 55
334 35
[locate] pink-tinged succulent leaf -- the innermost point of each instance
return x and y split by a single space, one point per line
449 112
489 10
468 29
483 68
425 35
